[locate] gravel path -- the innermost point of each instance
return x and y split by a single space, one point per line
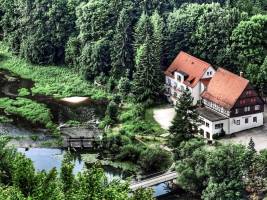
164 116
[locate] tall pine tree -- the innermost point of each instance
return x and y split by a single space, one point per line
122 45
185 123
146 84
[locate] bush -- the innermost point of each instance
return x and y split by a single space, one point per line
114 143
155 160
130 153
24 92
112 111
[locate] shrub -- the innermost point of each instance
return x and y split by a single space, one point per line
24 92
155 160
112 111
130 153
114 143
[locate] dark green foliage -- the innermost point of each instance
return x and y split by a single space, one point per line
66 173
251 145
181 25
217 172
184 125
114 143
155 160
130 153
248 47
112 111
24 183
122 45
95 59
215 36
124 86
147 83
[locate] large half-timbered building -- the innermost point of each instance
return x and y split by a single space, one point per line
229 102
230 105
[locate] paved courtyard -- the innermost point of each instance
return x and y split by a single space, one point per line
165 115
259 136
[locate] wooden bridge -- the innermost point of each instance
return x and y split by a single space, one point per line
163 178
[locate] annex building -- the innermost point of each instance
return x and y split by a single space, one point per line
229 102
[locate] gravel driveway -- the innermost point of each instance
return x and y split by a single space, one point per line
164 116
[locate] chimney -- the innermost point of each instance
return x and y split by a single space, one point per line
241 74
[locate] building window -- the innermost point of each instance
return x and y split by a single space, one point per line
253 100
242 102
237 122
179 78
201 132
255 119
218 126
257 107
202 121
247 109
246 120
236 111
248 93
207 124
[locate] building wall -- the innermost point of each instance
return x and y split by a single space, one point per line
234 127
177 87
211 128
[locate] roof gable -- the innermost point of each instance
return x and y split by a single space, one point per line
194 67
225 88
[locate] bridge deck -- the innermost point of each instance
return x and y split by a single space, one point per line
154 181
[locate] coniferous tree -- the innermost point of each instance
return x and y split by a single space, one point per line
147 83
184 125
157 25
122 49
251 145
142 29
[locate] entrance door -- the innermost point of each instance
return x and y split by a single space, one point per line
208 135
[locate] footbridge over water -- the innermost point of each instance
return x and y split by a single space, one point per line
152 181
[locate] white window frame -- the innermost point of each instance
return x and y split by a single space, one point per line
257 107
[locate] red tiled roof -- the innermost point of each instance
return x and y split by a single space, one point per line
191 65
225 88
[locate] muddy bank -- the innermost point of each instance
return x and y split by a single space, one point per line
63 110
68 114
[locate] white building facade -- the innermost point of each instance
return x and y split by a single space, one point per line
187 72
230 105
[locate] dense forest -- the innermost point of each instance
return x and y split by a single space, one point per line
119 40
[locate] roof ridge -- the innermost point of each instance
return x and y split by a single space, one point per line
195 57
